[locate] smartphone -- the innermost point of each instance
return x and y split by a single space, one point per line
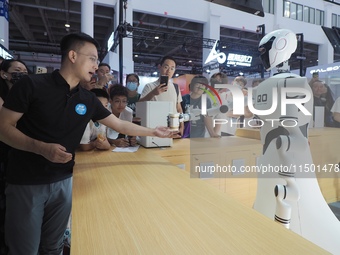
94 78
164 79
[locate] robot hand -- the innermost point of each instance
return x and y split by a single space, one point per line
195 114
192 114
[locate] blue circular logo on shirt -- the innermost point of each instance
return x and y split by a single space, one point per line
80 109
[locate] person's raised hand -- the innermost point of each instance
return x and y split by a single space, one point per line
161 88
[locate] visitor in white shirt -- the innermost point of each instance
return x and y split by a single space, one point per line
119 108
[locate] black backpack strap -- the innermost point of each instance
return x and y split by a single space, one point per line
176 88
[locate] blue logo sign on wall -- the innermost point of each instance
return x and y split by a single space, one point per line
81 109
4 9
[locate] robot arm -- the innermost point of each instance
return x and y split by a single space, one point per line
284 193
289 191
191 114
195 113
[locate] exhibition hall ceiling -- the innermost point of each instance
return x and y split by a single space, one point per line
37 26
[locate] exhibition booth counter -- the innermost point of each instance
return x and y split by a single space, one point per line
140 203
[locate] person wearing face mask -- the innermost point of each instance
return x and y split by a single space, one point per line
10 72
132 83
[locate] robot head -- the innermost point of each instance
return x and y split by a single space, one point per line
277 47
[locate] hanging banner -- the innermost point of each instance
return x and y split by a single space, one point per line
4 52
4 9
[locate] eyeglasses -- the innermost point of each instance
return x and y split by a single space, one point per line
120 102
93 59
166 67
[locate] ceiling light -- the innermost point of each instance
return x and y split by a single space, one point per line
67 25
190 61
156 37
136 56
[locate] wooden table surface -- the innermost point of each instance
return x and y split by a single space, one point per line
139 203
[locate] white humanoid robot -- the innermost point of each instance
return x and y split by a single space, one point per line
288 192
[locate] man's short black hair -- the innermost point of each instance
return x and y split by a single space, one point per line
104 64
132 74
218 78
198 79
100 93
167 57
118 90
74 41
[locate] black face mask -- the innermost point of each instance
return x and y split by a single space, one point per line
16 76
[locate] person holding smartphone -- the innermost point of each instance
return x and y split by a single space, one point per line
104 76
163 88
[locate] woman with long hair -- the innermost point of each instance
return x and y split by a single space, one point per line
11 71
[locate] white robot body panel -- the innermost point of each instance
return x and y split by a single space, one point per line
310 217
287 148
264 98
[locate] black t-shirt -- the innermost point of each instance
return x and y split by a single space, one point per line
52 114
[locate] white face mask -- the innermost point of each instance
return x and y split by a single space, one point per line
132 86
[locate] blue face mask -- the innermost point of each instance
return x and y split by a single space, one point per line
132 86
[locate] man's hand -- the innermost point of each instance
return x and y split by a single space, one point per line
133 141
165 132
161 88
121 142
181 128
101 143
105 79
55 153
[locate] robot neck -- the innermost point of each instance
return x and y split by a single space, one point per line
283 67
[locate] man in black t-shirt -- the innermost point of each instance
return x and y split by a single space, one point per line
43 119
